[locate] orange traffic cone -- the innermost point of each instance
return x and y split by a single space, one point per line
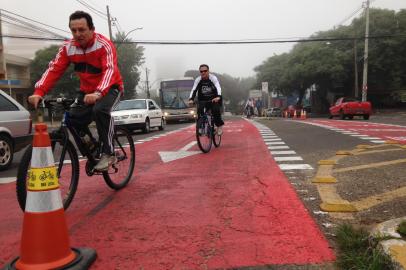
45 239
304 115
294 114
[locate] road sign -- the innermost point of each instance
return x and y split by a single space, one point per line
255 94
264 86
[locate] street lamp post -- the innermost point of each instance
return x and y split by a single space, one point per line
128 33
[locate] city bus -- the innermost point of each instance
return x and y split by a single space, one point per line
174 96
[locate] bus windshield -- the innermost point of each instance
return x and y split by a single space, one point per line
175 93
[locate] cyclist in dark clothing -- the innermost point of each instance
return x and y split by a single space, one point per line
95 61
208 91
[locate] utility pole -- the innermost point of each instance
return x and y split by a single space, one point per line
365 74
109 22
147 82
355 69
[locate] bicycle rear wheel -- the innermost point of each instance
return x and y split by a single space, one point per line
204 134
68 172
121 172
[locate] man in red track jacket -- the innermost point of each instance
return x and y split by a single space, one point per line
95 62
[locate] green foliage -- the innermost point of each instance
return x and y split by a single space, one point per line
68 83
130 57
330 65
357 250
402 228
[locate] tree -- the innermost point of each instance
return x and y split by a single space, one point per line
130 57
68 84
330 65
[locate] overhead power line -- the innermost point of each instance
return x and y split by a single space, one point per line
350 16
93 9
225 42
34 21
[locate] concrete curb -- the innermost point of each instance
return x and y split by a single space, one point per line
396 247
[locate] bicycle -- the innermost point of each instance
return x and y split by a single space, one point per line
67 159
205 131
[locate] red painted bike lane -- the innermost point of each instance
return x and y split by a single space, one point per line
229 208
382 131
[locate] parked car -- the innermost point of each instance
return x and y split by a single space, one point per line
274 112
347 107
15 129
291 109
139 114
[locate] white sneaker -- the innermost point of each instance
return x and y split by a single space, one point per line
219 130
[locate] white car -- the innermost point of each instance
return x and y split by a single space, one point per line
15 129
138 114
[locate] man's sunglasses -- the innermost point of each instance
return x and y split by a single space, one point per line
203 71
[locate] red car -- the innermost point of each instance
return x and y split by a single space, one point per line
290 111
346 107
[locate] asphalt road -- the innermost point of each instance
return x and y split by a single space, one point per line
361 179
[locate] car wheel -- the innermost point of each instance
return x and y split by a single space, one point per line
147 126
342 115
6 152
162 126
366 116
351 117
330 116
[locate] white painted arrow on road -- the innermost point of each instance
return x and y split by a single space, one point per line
168 156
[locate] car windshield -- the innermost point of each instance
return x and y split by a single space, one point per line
131 105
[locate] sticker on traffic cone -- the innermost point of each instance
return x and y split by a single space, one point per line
45 239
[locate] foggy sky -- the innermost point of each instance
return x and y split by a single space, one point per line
201 20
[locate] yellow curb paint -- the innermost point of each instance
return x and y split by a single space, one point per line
371 165
372 201
331 201
327 162
363 146
345 153
337 206
324 179
42 179
398 253
377 151
391 142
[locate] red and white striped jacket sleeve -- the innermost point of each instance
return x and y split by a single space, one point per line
55 70
109 66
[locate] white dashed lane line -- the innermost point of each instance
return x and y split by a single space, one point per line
286 159
352 133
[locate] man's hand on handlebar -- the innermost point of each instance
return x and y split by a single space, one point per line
216 99
34 100
190 102
90 99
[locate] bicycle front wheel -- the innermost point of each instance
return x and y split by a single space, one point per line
204 134
216 139
121 172
67 164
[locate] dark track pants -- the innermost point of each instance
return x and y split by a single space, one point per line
215 110
82 115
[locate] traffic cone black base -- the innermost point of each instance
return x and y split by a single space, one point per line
84 259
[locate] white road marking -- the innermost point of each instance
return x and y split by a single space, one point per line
288 152
286 167
273 147
288 158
